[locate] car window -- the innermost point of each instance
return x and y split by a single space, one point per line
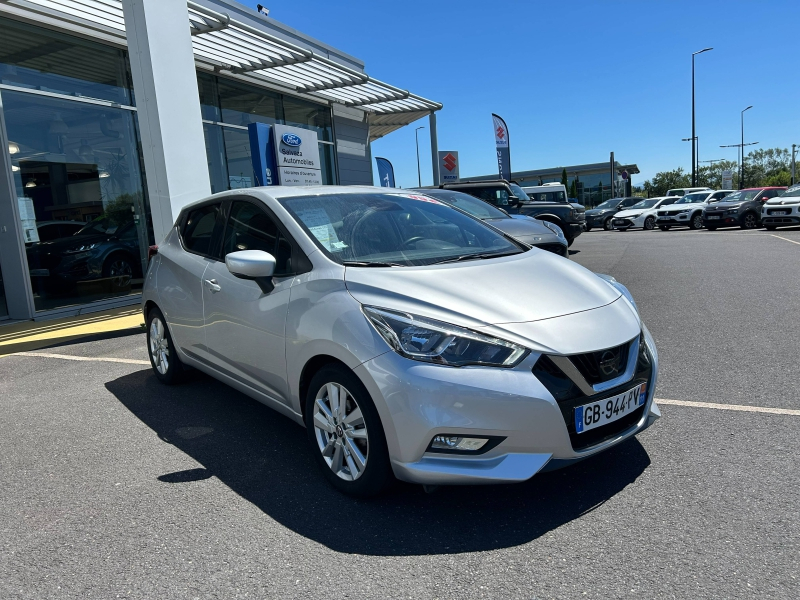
497 196
249 227
644 204
128 232
48 233
397 229
199 227
629 202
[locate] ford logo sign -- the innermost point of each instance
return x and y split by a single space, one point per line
290 139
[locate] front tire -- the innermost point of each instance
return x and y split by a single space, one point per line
770 227
696 222
649 223
167 367
607 224
749 221
346 434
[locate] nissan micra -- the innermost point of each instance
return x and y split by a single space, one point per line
410 339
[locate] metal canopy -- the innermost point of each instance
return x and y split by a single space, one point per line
230 46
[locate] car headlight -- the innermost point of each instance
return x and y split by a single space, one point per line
79 249
620 288
637 215
432 341
684 212
732 211
554 228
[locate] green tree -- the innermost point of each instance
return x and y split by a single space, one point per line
666 180
711 175
766 166
573 189
564 177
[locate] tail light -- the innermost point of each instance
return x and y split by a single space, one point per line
151 252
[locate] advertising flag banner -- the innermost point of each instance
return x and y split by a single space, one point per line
448 165
385 172
503 147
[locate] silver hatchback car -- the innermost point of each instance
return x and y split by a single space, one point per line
411 339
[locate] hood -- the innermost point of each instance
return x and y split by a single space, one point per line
783 200
578 207
519 228
598 211
726 205
530 286
672 207
61 244
633 213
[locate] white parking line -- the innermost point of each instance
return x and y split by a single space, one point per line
785 239
129 361
740 407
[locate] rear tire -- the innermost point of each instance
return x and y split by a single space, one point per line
711 228
649 223
770 227
664 227
167 367
347 438
607 224
587 228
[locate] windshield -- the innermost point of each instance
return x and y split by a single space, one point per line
471 204
676 192
795 191
742 196
644 204
394 229
693 198
101 225
608 204
519 192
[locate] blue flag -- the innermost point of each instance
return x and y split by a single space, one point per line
385 172
262 154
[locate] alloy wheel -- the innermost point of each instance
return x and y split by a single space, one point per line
697 222
340 431
159 346
121 273
649 223
750 221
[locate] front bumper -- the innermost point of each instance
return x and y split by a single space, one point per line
573 230
721 220
675 220
417 401
778 221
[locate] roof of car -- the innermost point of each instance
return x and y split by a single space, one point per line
764 187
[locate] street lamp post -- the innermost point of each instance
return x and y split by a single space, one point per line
741 176
419 177
794 153
694 132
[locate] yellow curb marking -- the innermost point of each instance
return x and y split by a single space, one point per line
102 326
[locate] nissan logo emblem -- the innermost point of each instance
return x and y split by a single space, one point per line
609 363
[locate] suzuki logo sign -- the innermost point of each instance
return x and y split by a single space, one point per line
448 166
501 133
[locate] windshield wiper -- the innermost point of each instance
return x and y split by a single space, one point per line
359 263
477 256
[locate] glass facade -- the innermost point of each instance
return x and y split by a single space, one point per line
228 107
3 305
76 165
591 188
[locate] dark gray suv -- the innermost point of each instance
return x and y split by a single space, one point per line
601 215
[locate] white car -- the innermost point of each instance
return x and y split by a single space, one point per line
783 210
684 191
642 214
687 211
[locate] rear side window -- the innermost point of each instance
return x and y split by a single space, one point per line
250 228
497 196
199 228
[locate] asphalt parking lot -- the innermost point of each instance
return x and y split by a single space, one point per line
116 486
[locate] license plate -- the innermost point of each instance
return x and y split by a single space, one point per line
780 213
609 410
619 222
711 217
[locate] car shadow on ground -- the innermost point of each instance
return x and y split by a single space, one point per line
264 457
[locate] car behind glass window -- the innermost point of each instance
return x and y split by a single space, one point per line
392 228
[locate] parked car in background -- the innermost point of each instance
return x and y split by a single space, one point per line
602 214
527 230
739 209
783 210
687 211
512 198
52 230
642 214
101 249
684 191
411 339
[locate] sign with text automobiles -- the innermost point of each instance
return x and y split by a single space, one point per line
727 179
297 155
448 165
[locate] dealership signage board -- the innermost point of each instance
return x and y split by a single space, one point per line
296 156
727 179
448 165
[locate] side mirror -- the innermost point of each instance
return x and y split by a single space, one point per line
256 265
513 201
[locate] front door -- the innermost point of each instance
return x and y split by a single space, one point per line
244 325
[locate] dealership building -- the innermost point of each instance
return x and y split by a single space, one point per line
592 181
114 114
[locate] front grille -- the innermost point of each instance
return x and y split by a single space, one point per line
714 214
603 365
555 248
569 397
669 213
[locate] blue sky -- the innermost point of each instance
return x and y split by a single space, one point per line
574 79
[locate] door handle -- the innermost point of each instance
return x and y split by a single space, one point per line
213 286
